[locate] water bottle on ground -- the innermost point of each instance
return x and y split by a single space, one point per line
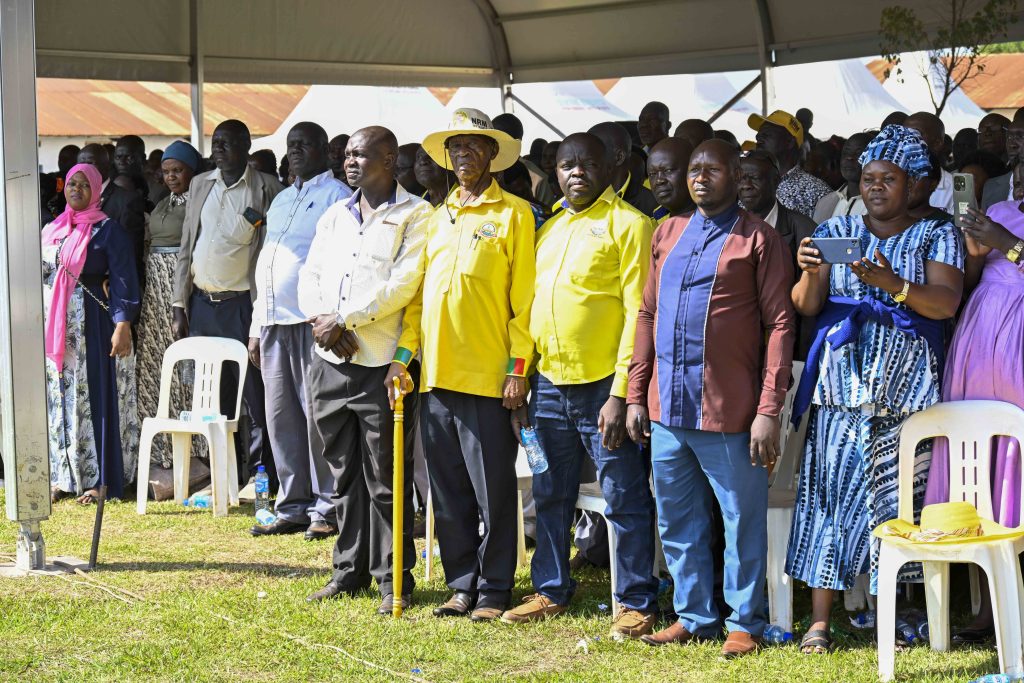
997 678
863 620
774 635
534 453
922 630
262 489
265 517
905 631
199 500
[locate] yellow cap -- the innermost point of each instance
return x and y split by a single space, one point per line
779 118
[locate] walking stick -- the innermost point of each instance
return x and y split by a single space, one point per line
398 502
97 527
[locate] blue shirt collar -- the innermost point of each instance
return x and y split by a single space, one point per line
723 220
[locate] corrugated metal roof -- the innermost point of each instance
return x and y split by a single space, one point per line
76 108
999 86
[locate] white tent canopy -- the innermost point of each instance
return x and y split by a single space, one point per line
687 96
410 113
447 42
568 107
844 95
911 89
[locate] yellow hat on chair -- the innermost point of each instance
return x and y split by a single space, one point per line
946 523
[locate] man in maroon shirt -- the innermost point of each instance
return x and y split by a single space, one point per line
711 366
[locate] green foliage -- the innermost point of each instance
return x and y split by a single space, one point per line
964 32
1012 47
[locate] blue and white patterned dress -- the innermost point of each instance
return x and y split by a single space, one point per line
864 393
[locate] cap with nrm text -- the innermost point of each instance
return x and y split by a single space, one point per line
779 118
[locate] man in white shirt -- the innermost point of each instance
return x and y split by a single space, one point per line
281 341
364 267
933 133
214 279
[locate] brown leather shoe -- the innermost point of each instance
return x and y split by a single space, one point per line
319 530
486 613
534 608
676 633
738 644
631 623
457 606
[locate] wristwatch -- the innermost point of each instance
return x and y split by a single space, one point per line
1014 254
901 296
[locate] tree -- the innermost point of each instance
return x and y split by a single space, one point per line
954 43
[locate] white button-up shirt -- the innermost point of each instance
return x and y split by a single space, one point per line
365 269
942 198
291 226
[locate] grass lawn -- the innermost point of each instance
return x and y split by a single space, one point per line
214 604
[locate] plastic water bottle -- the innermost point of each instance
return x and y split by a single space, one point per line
922 630
776 636
262 489
265 517
997 678
199 500
905 631
534 453
863 620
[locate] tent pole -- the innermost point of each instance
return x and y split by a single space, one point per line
735 98
512 96
765 39
196 72
22 373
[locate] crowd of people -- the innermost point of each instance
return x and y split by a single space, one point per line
636 301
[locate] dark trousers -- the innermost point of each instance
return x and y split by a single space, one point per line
231 318
566 418
471 462
350 411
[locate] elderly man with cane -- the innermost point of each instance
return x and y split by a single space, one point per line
471 326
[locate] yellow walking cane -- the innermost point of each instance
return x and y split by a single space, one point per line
398 501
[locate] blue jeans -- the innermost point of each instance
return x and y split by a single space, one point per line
691 466
565 418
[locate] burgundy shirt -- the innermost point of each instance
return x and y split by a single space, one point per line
715 332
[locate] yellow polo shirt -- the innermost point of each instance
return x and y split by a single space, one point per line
471 321
591 270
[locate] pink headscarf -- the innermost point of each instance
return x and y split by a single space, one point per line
76 227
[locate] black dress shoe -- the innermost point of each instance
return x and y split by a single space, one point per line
319 530
973 636
457 606
387 603
332 591
277 528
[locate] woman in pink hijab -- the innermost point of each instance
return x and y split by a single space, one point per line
90 297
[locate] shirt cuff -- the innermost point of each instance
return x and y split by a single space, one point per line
620 387
120 317
402 356
516 367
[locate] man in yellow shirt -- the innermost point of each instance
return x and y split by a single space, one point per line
592 263
471 326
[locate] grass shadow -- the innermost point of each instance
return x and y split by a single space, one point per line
289 570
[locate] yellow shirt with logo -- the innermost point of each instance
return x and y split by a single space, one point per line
591 270
471 320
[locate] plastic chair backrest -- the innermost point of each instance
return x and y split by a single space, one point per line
784 474
209 355
969 426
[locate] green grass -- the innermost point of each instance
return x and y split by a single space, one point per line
201 619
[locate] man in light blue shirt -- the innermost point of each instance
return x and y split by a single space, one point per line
281 341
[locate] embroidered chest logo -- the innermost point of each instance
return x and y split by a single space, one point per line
487 230
599 230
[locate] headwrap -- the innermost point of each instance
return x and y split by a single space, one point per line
901 146
74 228
183 152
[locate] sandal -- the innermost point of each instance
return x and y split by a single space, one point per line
90 497
816 642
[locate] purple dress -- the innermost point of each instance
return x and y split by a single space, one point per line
986 362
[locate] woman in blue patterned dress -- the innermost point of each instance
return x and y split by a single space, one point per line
876 359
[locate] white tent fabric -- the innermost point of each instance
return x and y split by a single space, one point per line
410 113
448 42
570 107
844 95
688 97
912 93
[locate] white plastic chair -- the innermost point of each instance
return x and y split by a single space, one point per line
524 480
781 499
969 426
209 355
